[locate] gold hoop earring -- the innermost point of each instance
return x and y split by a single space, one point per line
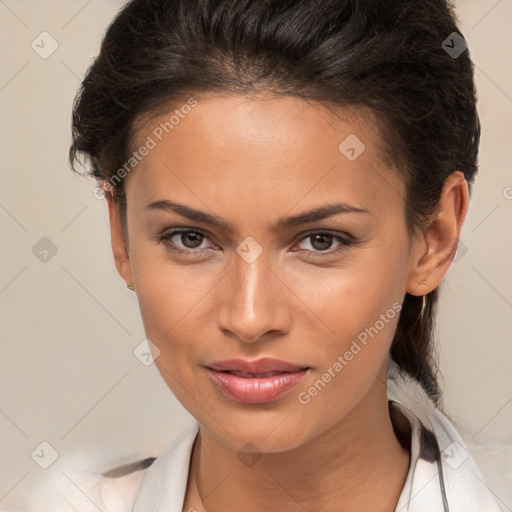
129 286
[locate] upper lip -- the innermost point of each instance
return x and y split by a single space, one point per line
263 365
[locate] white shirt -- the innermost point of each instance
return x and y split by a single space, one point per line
444 475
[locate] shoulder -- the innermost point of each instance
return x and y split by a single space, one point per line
494 459
74 490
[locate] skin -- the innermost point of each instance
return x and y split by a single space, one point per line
251 161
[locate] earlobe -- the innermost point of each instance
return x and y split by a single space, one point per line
119 248
433 253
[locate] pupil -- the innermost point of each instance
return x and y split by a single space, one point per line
325 245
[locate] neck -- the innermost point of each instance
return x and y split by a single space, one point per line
357 464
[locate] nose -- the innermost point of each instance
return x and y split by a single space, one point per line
253 305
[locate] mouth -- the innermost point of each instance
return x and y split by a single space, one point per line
255 388
265 366
256 375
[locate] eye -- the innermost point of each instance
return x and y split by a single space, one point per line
321 241
190 239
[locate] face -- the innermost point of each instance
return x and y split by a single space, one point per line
321 292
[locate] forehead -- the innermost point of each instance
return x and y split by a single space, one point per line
258 119
262 146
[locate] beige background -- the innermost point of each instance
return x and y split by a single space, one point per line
69 326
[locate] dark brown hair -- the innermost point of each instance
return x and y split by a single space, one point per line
392 57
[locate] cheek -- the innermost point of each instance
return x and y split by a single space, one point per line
362 315
177 307
340 303
166 291
356 313
168 304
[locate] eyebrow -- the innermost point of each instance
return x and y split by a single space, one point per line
320 213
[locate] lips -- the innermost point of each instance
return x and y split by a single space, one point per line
255 382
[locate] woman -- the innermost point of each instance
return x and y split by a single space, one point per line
286 184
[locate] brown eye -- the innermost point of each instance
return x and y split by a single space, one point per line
321 242
183 240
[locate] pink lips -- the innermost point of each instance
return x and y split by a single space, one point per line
257 381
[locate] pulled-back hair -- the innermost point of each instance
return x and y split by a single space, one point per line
391 57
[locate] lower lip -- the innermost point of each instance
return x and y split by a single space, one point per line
255 390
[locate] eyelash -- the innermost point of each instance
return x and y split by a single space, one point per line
346 243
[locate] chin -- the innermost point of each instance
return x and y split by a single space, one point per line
270 435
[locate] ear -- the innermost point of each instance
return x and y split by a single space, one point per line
434 250
119 248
